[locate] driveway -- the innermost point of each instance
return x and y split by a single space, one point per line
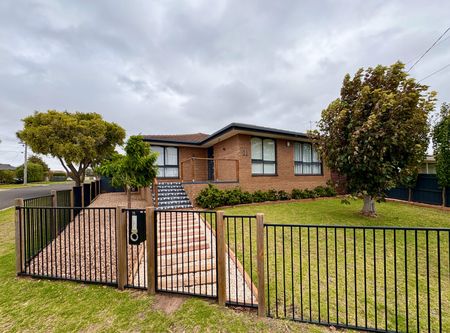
7 196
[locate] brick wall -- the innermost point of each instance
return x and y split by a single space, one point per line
185 153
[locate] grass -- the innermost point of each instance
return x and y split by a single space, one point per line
298 253
42 305
13 186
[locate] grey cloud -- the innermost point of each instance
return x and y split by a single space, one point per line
172 66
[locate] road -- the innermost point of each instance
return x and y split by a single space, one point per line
7 196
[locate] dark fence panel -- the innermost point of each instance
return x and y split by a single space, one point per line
241 265
83 250
106 186
39 201
427 190
136 250
77 198
186 256
86 194
370 278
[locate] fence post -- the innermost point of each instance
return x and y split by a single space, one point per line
151 250
82 195
260 264
19 239
221 262
72 204
54 214
121 239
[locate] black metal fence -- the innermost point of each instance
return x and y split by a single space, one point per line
371 278
241 265
426 190
82 250
186 256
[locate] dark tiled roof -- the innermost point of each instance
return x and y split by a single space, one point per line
187 138
201 138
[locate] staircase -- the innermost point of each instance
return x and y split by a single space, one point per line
171 195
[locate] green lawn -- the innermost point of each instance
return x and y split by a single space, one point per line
55 306
11 186
292 292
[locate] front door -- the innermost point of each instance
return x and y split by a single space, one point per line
211 163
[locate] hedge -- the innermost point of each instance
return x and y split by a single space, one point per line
35 172
212 197
7 176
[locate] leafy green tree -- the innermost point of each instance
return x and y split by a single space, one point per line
136 169
441 147
35 172
376 132
78 140
37 160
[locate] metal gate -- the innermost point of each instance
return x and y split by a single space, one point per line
186 254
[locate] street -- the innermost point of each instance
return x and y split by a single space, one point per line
7 196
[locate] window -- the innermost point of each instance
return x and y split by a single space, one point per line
167 161
263 156
306 160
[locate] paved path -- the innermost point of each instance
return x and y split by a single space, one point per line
7 196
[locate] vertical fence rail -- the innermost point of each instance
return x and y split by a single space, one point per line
241 260
81 250
186 257
371 278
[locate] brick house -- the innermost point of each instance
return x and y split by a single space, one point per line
248 156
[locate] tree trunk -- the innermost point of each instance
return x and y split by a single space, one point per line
369 206
409 194
129 196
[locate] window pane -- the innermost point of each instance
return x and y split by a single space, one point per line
257 168
306 152
171 156
298 168
317 169
256 148
297 152
315 155
269 168
160 151
160 172
171 172
306 169
269 150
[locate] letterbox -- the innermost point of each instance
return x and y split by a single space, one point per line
136 227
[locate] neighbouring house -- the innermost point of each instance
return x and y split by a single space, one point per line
428 165
248 156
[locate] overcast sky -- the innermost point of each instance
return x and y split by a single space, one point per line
160 67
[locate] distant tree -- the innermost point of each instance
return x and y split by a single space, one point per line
441 147
78 140
136 169
35 172
376 133
37 160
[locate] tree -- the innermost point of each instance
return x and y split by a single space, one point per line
136 169
37 160
441 147
376 133
78 140
35 172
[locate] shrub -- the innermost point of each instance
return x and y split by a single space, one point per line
212 197
7 176
35 172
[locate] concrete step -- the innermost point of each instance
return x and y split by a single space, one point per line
183 248
178 281
184 240
191 256
188 267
